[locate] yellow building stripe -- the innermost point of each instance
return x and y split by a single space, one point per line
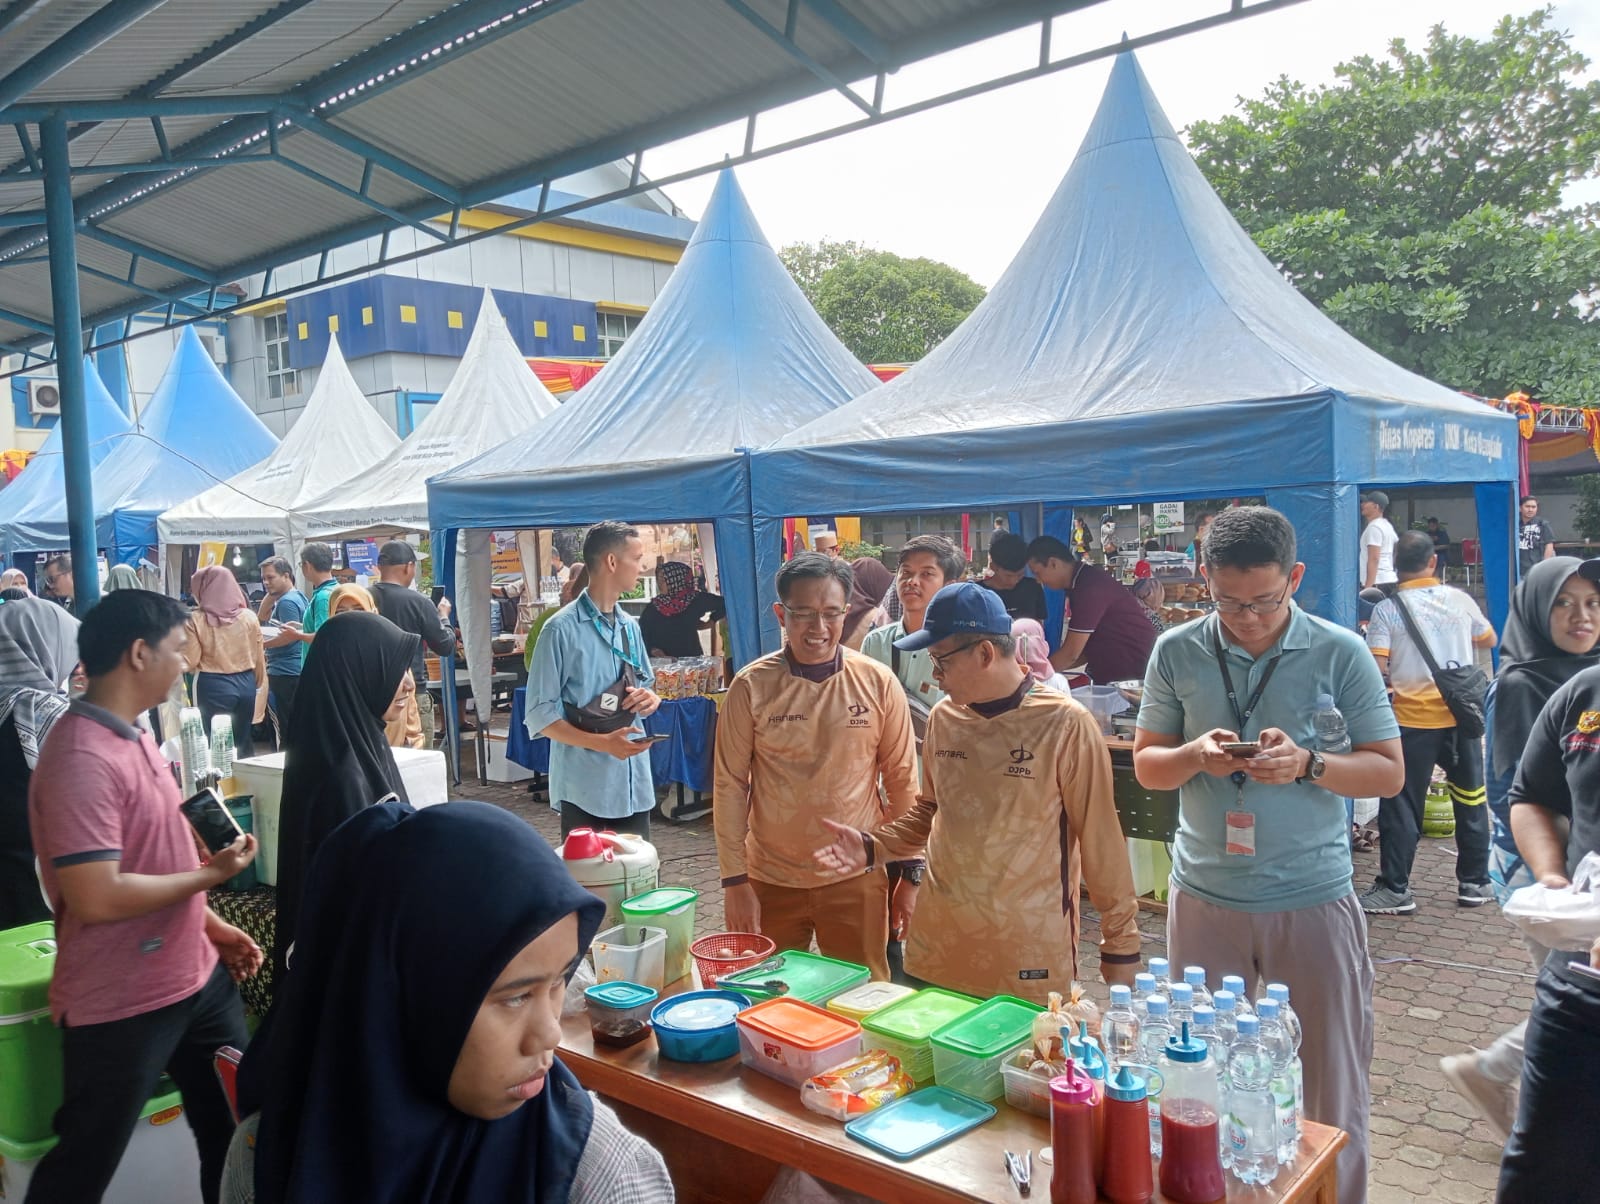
573 236
620 307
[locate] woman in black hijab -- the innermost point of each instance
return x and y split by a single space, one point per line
411 1057
1551 636
339 760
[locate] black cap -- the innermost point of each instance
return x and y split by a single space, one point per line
1377 498
397 551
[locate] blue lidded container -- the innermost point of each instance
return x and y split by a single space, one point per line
619 1012
698 1026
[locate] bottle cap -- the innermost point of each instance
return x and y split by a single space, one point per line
1249 1026
1267 1009
1074 1087
1085 1050
1186 1049
1195 976
1232 982
1127 1086
1276 990
1324 702
1157 1005
1121 996
1182 994
1144 983
1160 967
1223 1001
1205 1016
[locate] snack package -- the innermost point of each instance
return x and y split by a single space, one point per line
1081 1007
857 1086
1048 1045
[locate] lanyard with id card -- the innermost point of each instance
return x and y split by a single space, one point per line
1240 825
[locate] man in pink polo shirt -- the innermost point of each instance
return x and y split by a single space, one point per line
142 979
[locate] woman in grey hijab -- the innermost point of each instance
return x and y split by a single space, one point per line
123 576
38 650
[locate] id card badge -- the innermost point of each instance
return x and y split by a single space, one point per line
1241 834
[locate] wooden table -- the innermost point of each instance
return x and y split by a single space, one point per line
725 1131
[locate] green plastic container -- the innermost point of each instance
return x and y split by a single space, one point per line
968 1053
671 908
903 1029
242 808
809 977
30 1045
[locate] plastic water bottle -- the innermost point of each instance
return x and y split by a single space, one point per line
1252 1146
222 745
1195 976
196 752
1204 1028
1278 992
1333 736
1153 1037
1161 969
1181 1008
1241 1001
1144 986
1227 1017
1275 1039
1119 1029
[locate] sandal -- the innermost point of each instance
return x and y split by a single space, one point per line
1362 840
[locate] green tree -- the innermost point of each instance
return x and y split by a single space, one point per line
1417 200
884 308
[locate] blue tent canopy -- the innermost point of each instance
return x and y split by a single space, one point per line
731 356
43 480
1140 346
194 433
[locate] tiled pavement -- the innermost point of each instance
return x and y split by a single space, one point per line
1446 978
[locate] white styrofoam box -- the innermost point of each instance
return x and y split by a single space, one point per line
423 772
1366 810
503 770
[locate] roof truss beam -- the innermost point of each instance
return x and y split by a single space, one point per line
110 20
784 39
373 155
144 251
853 31
359 195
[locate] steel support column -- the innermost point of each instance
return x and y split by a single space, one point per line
61 222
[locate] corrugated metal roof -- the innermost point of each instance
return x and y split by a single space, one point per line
482 97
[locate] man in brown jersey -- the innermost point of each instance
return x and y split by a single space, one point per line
804 737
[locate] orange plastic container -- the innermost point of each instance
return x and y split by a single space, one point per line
791 1040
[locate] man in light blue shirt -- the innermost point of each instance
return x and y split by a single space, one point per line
597 779
1261 867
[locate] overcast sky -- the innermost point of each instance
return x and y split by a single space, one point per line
964 182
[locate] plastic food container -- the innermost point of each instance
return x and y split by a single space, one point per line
904 1028
1026 1091
619 959
862 1001
808 976
670 908
619 1012
791 1040
698 1026
968 1053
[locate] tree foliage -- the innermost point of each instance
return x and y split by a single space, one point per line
1418 200
884 308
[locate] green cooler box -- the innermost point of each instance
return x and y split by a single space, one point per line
30 1045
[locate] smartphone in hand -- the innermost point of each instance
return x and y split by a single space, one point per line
211 821
1241 748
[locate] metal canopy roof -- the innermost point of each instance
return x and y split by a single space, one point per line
211 142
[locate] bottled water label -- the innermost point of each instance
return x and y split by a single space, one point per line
1238 1136
1288 1126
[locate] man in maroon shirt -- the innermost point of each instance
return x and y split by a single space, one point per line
1106 627
142 975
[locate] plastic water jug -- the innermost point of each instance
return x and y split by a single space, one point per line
613 866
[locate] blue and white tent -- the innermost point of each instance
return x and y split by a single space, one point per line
1140 346
730 357
44 479
194 433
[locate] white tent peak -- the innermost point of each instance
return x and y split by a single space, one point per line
1136 291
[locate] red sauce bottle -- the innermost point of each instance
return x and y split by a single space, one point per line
1127 1177
1073 1105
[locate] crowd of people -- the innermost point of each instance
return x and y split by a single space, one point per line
927 806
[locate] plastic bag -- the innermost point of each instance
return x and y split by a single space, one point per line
857 1086
1560 918
1047 1025
582 979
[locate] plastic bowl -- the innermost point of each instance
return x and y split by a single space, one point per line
697 1026
724 953
619 1012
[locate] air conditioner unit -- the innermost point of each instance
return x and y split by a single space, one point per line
216 346
44 398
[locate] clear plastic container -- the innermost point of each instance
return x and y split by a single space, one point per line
617 958
792 1040
904 1029
1026 1091
619 1012
670 908
969 1052
860 1002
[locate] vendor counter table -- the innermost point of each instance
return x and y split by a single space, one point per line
725 1131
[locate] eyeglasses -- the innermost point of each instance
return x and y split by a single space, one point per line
939 659
1255 608
805 618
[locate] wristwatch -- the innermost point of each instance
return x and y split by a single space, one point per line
913 874
1316 766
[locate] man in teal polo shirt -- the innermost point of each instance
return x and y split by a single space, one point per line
1261 872
316 570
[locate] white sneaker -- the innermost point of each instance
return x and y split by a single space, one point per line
1495 1101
